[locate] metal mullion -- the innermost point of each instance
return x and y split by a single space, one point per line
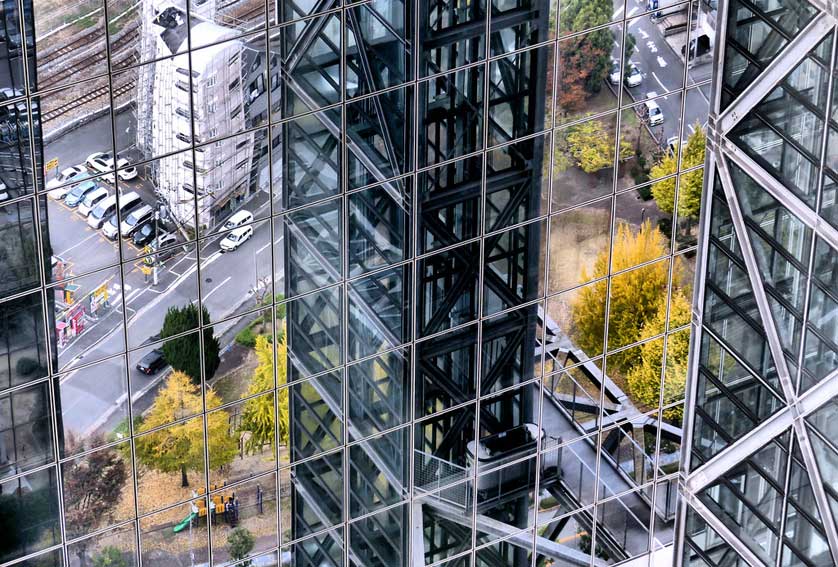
782 64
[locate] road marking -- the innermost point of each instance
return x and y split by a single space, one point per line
216 288
133 295
93 235
661 61
659 81
643 34
632 12
616 13
651 45
263 247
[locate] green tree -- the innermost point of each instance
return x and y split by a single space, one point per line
92 488
240 543
644 380
635 295
183 353
110 556
180 447
258 416
585 59
591 145
628 50
692 182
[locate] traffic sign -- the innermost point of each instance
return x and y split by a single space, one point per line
51 164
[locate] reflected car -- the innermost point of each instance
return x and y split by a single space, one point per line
78 193
98 162
147 234
614 74
131 222
633 77
110 228
66 175
91 200
238 219
672 144
152 363
653 111
236 238
4 192
125 172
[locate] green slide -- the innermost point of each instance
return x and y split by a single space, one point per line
185 522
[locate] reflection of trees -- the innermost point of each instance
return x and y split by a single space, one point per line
689 192
258 417
180 447
585 59
590 146
637 309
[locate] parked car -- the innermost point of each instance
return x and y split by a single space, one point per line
126 172
238 219
98 162
67 175
633 76
146 233
78 193
131 222
653 111
614 74
102 212
236 238
91 200
128 203
4 192
152 363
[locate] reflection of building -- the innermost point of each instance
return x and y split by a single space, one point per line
761 483
28 493
219 172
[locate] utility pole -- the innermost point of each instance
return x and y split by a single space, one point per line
156 242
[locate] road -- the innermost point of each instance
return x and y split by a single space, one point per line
95 380
663 71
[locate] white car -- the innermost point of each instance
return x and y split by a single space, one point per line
99 162
4 193
125 173
237 219
111 227
614 74
65 176
633 76
236 238
653 111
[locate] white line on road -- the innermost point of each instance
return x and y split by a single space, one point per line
216 288
661 62
134 295
263 247
77 244
616 13
659 81
632 12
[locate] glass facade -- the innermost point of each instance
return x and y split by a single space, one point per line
760 486
381 282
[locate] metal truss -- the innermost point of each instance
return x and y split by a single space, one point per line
786 426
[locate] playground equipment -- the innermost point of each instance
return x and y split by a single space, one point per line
220 504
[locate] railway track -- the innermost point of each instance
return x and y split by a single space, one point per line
85 99
47 80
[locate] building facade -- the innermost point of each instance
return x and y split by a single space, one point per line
760 484
451 330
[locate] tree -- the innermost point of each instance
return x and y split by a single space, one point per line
592 146
258 416
644 380
585 59
628 50
635 294
180 447
692 182
240 543
110 556
92 487
183 353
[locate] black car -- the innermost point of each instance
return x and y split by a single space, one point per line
152 363
145 233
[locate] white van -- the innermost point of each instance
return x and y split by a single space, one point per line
91 200
134 220
127 203
101 212
239 218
